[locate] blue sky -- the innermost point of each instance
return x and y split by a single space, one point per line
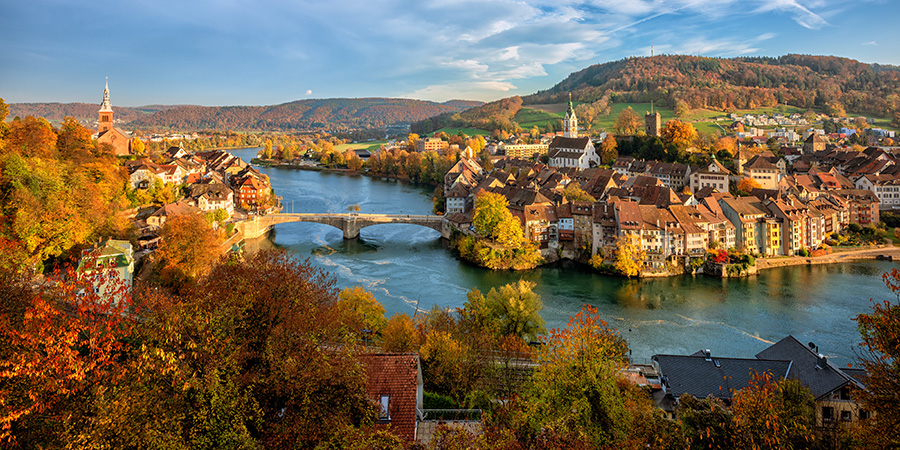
263 52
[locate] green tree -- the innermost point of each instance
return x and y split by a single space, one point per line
516 309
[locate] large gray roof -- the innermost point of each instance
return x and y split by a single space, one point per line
806 366
718 377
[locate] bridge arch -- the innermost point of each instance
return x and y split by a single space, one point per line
349 224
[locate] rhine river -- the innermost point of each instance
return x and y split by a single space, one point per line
406 267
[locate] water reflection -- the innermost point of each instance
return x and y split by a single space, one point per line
406 267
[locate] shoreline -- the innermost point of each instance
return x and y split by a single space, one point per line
868 254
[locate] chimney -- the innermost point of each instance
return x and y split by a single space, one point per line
821 361
707 354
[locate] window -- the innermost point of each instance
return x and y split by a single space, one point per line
863 414
845 416
827 414
385 412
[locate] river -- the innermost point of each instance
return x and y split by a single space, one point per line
406 267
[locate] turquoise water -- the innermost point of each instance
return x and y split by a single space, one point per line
407 267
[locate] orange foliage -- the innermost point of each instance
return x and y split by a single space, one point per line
678 133
748 185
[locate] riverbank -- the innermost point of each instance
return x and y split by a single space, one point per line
870 254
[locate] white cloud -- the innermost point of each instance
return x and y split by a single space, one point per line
309 92
802 15
870 43
480 90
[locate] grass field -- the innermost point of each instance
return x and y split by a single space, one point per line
529 117
370 146
466 131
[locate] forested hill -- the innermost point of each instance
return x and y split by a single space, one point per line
315 114
805 81
826 83
84 112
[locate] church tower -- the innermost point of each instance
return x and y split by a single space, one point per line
570 122
105 122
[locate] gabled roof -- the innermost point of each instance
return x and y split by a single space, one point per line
560 142
714 376
819 375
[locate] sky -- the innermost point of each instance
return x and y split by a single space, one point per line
266 52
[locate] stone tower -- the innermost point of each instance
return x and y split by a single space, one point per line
653 123
570 122
105 122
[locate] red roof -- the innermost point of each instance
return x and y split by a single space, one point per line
395 375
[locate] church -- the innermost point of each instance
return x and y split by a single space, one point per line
109 134
569 150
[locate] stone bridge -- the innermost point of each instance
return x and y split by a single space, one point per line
349 224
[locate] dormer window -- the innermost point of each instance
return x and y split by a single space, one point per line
384 412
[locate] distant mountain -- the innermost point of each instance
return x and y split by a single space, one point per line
826 83
85 112
335 114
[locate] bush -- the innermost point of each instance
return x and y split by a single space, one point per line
803 252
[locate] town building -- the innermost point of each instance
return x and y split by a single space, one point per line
432 144
713 175
107 133
110 267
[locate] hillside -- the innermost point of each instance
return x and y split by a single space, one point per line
302 115
85 112
826 83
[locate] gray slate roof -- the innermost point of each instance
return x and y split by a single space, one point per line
718 377
819 380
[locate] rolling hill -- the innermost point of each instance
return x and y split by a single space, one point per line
336 114
826 83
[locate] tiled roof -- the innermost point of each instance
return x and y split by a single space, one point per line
397 375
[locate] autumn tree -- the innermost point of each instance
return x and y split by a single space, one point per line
574 193
629 255
727 144
681 108
574 388
188 248
880 357
748 184
608 151
516 309
64 348
490 210
74 140
137 146
708 424
682 134
774 414
31 137
627 123
399 335
358 311
267 150
586 113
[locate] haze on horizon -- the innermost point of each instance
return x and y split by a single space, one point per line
235 52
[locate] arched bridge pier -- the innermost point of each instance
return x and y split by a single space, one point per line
349 224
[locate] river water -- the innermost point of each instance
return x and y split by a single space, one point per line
406 267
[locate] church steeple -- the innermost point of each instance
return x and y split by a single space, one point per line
105 122
570 122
